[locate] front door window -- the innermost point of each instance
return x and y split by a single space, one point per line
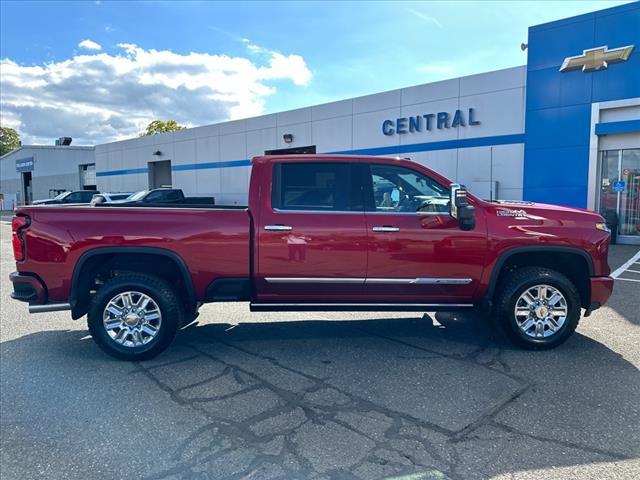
401 190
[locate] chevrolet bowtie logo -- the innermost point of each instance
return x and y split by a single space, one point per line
596 58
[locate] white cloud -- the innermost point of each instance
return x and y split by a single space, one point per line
89 45
101 97
252 47
425 17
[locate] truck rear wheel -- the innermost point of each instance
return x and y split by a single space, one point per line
134 316
537 308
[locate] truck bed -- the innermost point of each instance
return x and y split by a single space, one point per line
212 240
208 206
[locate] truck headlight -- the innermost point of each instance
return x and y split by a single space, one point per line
603 227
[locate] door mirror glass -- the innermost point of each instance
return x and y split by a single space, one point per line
458 199
460 208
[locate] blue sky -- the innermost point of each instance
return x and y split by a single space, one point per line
277 55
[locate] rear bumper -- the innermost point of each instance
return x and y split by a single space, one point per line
28 288
601 290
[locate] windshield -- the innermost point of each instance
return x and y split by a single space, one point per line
62 195
138 195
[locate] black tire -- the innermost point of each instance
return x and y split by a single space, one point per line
161 292
514 285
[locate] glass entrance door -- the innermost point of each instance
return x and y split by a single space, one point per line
620 190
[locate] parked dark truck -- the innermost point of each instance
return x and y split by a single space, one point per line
167 195
329 233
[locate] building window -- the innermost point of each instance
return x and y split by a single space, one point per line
88 177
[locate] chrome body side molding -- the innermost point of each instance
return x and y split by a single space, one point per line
308 280
369 281
278 228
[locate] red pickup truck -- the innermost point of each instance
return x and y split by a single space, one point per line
321 232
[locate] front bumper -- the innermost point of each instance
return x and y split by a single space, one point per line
601 290
28 288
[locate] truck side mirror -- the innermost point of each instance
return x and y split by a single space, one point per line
460 209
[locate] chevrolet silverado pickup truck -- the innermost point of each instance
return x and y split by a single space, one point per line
321 232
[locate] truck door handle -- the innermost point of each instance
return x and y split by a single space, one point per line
386 228
278 228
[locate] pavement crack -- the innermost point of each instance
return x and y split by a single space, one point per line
565 443
488 415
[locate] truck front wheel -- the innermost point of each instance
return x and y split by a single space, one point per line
134 316
537 308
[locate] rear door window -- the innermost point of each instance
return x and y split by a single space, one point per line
172 195
322 186
154 197
85 197
74 197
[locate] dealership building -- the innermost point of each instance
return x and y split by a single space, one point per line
32 172
563 129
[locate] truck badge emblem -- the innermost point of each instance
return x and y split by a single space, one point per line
595 59
511 213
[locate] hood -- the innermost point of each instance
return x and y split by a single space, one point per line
43 202
518 204
515 208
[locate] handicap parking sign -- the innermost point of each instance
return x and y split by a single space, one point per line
618 186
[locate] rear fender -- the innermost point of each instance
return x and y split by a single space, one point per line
79 308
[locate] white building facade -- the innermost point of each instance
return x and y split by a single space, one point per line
38 171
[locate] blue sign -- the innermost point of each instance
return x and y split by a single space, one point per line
618 186
427 122
24 165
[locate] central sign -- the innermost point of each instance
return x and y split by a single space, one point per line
428 121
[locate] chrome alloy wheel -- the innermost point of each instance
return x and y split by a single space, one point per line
541 311
132 319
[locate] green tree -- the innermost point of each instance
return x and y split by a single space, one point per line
9 140
162 126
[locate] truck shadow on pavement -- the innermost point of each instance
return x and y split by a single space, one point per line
362 399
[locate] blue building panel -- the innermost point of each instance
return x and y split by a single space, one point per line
568 196
558 104
548 48
558 127
553 90
621 80
618 28
557 167
613 128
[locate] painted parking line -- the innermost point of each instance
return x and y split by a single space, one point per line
626 268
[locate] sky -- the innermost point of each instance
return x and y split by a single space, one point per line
100 71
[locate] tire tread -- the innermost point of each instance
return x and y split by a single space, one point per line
171 316
509 286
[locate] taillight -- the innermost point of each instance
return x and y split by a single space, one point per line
18 224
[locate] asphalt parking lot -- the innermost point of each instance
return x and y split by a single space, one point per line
258 396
